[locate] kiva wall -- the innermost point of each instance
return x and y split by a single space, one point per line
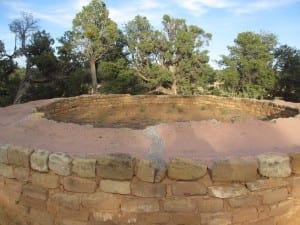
38 187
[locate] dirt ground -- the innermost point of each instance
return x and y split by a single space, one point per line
205 140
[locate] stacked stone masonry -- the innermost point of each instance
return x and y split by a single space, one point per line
38 187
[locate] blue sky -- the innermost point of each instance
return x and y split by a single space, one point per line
223 18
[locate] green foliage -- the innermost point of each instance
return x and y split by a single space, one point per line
168 61
95 33
288 71
248 68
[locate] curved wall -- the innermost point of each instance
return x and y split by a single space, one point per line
43 188
88 109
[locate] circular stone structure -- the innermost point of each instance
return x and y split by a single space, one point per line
204 127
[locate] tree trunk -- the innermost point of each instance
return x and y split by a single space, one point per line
24 85
174 86
173 70
94 75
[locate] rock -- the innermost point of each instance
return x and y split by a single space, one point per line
147 190
39 160
270 183
19 156
179 205
145 170
234 169
45 180
115 167
188 188
142 205
295 161
274 165
114 186
81 185
186 169
60 163
6 171
228 191
3 154
84 167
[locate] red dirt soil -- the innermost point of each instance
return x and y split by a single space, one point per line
204 140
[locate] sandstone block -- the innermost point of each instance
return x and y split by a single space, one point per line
76 184
274 196
45 180
242 202
84 167
22 174
19 156
12 189
114 186
160 174
274 165
296 187
210 205
228 191
234 169
69 201
101 201
39 160
244 215
216 218
183 188
6 171
184 218
32 202
115 166
154 218
281 208
3 154
36 192
72 222
186 169
295 161
60 163
142 205
144 189
40 217
145 170
74 214
179 205
270 183
269 221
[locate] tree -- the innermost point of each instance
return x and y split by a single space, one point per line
8 78
23 28
95 33
248 67
169 60
41 68
287 67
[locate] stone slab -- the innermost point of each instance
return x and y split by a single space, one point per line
60 163
39 160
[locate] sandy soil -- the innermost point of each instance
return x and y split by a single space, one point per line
205 140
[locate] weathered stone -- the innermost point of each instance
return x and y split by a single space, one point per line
6 171
281 208
72 222
186 169
153 218
216 218
60 163
40 217
115 166
234 169
32 202
45 180
183 188
210 205
69 201
241 202
144 189
75 214
143 205
296 187
36 192
101 201
84 167
12 189
270 183
3 154
184 218
160 174
76 184
39 160
228 191
274 196
19 156
244 215
22 174
145 170
179 205
114 186
274 165
295 161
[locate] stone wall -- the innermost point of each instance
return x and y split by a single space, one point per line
38 187
86 108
